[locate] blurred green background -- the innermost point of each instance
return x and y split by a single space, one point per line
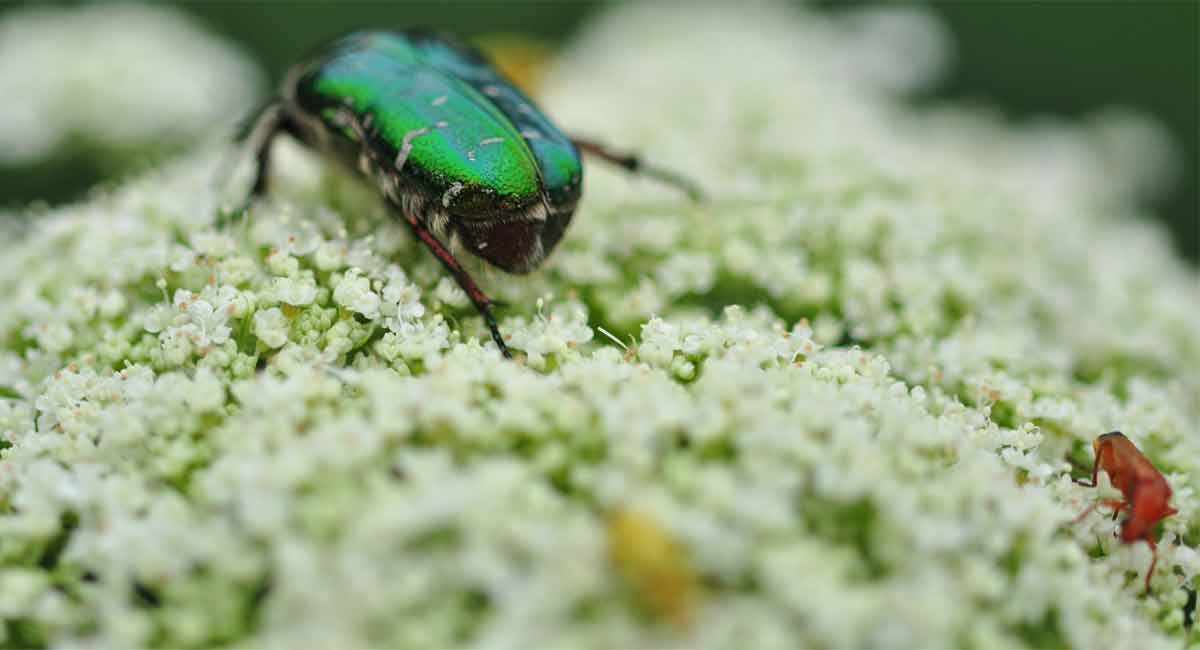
1027 59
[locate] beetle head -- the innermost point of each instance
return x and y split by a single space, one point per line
1100 440
514 245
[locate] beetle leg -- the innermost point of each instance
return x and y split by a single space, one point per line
259 133
1153 561
1086 511
1095 471
271 121
635 165
1116 505
478 298
464 279
1095 504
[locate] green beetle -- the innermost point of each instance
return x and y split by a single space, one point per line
456 150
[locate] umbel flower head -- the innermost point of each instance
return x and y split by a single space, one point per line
836 405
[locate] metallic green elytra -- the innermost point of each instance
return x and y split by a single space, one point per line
456 149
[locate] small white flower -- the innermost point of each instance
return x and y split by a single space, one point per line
294 291
402 300
354 293
207 322
448 292
271 327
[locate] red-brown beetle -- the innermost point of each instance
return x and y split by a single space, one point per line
1145 490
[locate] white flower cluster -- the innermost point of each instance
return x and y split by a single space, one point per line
837 404
113 77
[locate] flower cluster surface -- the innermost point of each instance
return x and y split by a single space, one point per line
839 403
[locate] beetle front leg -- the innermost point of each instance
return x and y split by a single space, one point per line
482 303
478 298
636 165
1095 471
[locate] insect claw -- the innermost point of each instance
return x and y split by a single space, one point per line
499 339
494 328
